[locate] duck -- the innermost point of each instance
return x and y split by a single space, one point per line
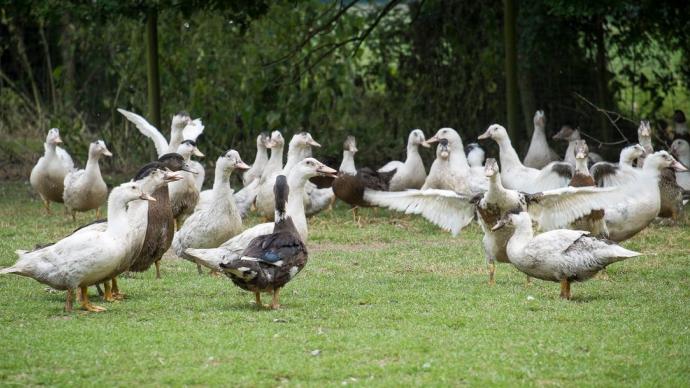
644 138
211 225
539 154
570 135
438 173
518 177
296 179
48 175
299 148
273 168
180 121
641 200
411 174
607 174
680 149
270 261
184 194
475 155
83 259
680 125
85 189
561 255
593 222
160 224
350 183
457 175
453 211
260 160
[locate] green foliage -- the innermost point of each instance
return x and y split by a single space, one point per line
395 302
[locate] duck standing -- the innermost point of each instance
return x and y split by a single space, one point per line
270 261
48 175
411 174
560 255
85 189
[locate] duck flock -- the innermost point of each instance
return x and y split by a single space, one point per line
581 207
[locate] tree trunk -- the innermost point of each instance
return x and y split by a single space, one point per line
602 79
69 74
528 100
154 89
510 37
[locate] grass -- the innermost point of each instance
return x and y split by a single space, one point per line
395 302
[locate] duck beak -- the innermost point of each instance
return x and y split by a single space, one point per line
172 176
147 197
427 143
678 166
354 149
327 171
313 143
197 153
498 225
269 144
242 166
186 167
107 153
484 135
58 140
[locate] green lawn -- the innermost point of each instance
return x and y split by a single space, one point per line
395 301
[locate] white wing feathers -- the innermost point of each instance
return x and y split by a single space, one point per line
447 209
554 209
192 130
147 130
549 179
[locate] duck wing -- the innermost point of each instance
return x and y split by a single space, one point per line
553 176
554 209
607 174
447 209
193 130
392 165
147 130
65 158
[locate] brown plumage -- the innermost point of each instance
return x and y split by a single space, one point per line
350 188
594 221
671 195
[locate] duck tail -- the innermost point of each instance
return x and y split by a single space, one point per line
241 268
9 270
619 254
210 258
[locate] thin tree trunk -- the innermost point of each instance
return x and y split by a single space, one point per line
528 100
602 79
49 65
18 34
154 91
69 73
510 37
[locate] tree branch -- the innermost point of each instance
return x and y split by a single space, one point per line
391 4
613 118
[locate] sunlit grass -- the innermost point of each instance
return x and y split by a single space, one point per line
392 302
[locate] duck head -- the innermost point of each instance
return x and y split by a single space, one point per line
276 140
131 191
350 144
310 167
567 133
188 148
539 119
442 150
174 162
491 167
680 148
262 140
449 134
514 218
98 148
644 130
231 161
303 139
495 132
153 178
631 153
662 159
53 137
416 138
180 120
581 149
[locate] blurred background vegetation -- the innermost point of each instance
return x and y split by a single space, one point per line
372 69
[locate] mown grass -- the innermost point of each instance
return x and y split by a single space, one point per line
393 302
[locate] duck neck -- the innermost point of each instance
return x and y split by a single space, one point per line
92 169
646 143
507 155
117 215
295 206
581 166
348 163
684 158
539 139
261 155
296 155
50 150
275 162
413 157
496 191
458 160
175 137
221 181
680 128
522 235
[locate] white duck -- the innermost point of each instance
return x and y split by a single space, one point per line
259 161
211 225
296 179
642 199
347 166
85 189
48 175
644 138
594 221
184 194
571 135
298 149
608 174
179 123
83 259
438 173
539 154
411 174
453 211
460 177
518 177
475 155
561 255
680 148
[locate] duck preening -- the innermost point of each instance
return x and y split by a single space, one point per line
561 255
48 175
270 261
85 189
87 258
